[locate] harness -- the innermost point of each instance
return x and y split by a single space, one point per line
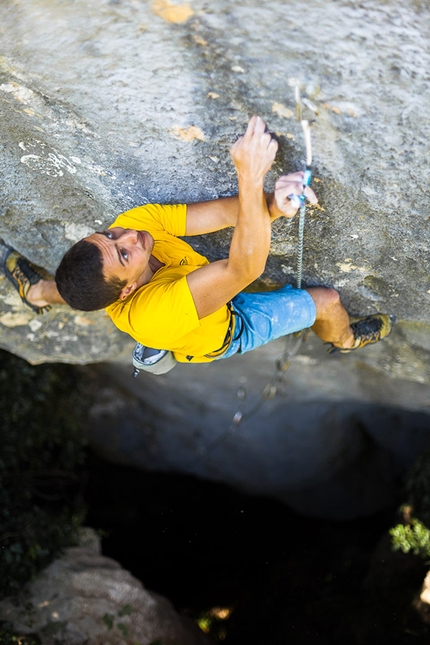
230 333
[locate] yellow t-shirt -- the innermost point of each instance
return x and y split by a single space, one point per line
162 313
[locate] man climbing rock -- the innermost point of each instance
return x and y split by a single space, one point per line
155 287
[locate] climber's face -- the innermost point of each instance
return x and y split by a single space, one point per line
126 255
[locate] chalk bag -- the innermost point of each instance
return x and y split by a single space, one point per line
148 359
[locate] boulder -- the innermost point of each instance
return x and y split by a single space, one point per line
83 597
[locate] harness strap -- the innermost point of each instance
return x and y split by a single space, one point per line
228 337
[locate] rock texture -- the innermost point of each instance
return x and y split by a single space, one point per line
110 104
107 105
86 598
330 443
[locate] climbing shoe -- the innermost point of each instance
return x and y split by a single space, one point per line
22 274
368 330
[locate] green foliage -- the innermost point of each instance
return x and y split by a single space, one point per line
41 455
413 537
109 619
127 610
123 629
213 622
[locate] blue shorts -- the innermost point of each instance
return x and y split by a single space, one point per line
268 315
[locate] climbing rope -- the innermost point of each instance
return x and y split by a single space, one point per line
282 364
300 200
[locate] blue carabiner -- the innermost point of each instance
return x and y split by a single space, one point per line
307 177
299 200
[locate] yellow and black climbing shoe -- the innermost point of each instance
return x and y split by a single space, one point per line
22 274
368 330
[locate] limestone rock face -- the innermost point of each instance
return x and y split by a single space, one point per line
107 105
86 598
110 104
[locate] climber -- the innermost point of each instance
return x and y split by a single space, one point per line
159 290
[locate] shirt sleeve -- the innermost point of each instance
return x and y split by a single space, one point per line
172 219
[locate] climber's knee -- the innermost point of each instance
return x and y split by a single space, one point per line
326 299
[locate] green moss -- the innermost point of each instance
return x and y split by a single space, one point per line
41 457
413 535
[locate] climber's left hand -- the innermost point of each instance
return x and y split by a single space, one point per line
290 185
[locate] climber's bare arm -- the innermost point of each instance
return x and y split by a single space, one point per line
215 284
206 217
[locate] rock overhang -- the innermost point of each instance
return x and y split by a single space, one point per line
108 106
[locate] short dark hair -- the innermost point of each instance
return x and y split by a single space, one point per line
80 280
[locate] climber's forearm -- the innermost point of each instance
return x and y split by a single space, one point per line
206 217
